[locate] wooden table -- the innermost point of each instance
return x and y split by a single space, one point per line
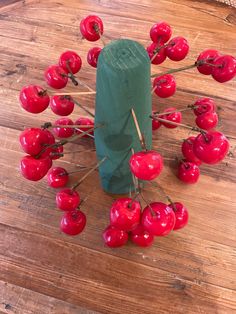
44 271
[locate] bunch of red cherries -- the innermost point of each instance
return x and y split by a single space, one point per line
42 146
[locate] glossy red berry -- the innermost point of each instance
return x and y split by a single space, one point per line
33 141
224 68
165 85
92 56
141 237
55 152
204 105
91 27
172 117
114 237
177 48
188 172
125 214
70 61
160 55
146 165
160 32
187 151
35 169
62 105
208 56
207 121
67 199
155 124
158 219
50 141
84 121
56 76
57 177
63 132
34 99
181 215
211 147
73 222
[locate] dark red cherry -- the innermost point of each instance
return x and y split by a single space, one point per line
91 27
56 76
224 68
211 147
57 177
125 214
70 61
33 140
204 105
141 237
92 56
62 105
63 132
172 117
67 199
181 215
207 56
160 31
158 219
207 121
114 237
187 150
188 172
73 222
34 99
165 85
35 169
177 48
146 165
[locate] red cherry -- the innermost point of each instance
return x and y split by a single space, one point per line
224 68
208 56
91 27
165 85
207 121
187 150
160 31
177 48
125 214
50 141
160 220
73 222
160 56
62 105
55 152
181 215
155 124
34 99
92 56
56 76
32 141
146 165
35 169
204 105
64 132
70 61
67 199
173 117
114 237
211 148
84 121
57 177
188 172
141 237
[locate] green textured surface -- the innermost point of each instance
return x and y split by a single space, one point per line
123 82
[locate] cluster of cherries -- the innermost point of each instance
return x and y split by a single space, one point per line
209 62
127 218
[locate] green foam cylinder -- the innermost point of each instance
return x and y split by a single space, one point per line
123 83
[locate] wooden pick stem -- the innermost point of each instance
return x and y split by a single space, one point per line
158 114
82 107
70 126
73 93
140 135
88 173
193 128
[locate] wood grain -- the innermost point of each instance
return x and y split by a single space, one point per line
44 271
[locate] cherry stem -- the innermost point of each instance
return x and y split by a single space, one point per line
83 168
186 126
157 50
71 74
88 173
140 135
69 126
148 204
189 107
157 185
196 64
73 152
82 107
73 93
42 93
